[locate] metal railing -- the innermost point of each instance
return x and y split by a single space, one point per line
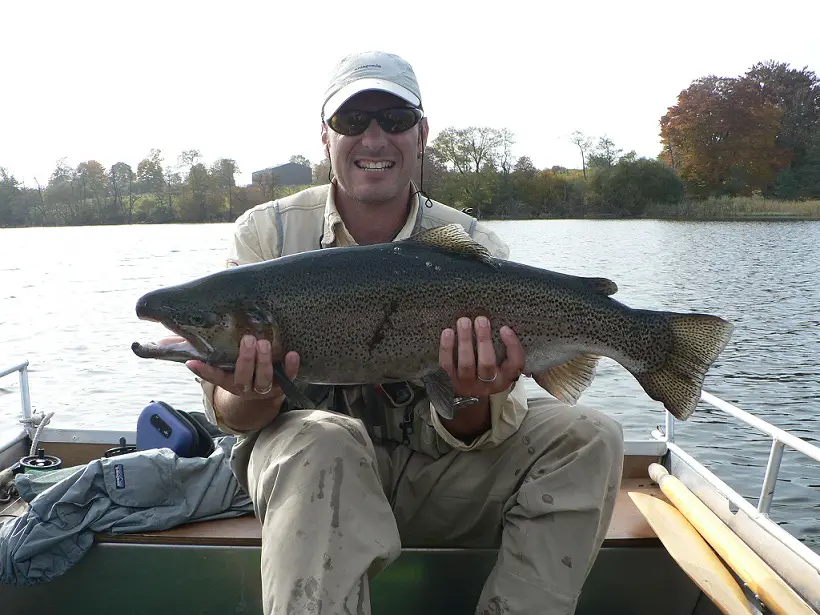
780 439
25 397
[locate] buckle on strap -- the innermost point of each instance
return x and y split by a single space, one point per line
399 394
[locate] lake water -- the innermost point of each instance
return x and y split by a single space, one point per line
67 299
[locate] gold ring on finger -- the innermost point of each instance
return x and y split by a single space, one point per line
265 392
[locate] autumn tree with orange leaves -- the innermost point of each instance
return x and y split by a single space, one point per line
721 138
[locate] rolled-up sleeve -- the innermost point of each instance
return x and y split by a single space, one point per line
507 410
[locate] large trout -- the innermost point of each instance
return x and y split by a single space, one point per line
374 314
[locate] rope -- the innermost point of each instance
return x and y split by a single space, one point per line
40 421
7 476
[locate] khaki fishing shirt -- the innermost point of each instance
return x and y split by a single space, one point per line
309 220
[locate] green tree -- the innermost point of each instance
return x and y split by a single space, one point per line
797 94
474 154
223 174
11 211
122 187
605 155
152 179
632 184
321 171
299 159
95 191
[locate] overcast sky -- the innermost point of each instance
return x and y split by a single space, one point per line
241 79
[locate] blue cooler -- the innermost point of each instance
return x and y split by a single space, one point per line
162 426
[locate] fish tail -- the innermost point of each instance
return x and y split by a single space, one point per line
697 340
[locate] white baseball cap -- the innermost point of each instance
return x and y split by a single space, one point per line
370 70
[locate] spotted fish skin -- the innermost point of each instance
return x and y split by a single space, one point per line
372 314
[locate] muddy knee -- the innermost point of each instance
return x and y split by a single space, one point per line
579 439
303 447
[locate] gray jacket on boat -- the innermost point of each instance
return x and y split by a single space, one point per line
143 491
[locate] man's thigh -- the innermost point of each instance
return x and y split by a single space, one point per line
461 499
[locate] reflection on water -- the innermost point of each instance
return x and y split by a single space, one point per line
67 300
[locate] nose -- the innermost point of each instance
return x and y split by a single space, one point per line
374 136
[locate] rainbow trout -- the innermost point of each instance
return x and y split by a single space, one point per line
374 314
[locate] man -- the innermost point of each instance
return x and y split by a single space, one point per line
339 490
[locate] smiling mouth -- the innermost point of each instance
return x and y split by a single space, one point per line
384 165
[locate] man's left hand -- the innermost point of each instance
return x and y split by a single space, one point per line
484 377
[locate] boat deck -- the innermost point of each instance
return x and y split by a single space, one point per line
628 527
212 567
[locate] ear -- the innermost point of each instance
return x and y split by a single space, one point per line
326 140
424 130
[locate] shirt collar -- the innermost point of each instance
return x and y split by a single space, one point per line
335 233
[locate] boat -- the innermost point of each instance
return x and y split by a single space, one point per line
681 542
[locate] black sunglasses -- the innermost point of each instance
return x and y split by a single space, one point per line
352 122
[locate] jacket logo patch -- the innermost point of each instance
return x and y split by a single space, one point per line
119 476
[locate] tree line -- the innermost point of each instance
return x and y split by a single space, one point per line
753 135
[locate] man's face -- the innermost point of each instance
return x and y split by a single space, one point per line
375 166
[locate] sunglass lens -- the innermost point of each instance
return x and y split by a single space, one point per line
350 122
399 119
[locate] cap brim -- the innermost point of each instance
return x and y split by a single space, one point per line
362 85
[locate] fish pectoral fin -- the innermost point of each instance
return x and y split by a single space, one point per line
439 389
453 238
568 380
291 391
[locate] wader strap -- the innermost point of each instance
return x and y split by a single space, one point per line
374 413
280 232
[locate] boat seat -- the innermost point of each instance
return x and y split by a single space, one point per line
628 526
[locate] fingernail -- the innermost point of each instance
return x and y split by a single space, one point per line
448 335
464 323
482 321
248 341
264 346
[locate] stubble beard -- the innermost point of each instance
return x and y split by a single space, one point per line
372 196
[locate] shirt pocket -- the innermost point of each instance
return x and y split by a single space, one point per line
143 479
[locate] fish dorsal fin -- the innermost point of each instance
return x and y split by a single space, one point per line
602 285
454 238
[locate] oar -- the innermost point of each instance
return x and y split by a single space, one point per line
773 591
693 555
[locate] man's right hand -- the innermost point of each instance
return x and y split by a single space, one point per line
252 377
251 396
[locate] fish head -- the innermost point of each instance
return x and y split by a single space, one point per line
211 317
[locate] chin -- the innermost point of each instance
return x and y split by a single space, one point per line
373 194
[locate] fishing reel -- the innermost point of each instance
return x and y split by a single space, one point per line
39 462
122 449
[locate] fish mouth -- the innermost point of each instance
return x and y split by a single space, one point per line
175 351
193 347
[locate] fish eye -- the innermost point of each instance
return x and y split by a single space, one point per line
199 319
